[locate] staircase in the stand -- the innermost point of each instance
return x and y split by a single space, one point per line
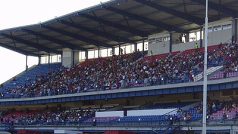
209 71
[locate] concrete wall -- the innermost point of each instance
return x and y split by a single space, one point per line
157 44
218 37
76 57
214 38
158 48
184 46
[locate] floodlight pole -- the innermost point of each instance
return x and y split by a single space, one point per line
204 119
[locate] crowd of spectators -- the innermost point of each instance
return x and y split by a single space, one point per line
55 116
69 116
228 56
231 54
228 110
195 112
28 89
126 71
216 110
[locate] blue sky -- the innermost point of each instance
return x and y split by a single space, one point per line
14 13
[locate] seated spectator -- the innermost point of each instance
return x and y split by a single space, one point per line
224 116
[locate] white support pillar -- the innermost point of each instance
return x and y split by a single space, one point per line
67 57
26 62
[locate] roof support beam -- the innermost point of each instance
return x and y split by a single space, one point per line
171 11
117 25
55 40
31 44
78 37
218 7
98 32
155 23
18 50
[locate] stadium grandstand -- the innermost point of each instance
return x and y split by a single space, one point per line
125 67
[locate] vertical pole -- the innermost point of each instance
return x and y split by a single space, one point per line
170 42
204 118
234 27
113 51
99 52
107 52
131 48
201 37
73 53
39 60
143 46
94 53
80 56
49 62
48 58
135 47
119 49
61 58
86 54
26 62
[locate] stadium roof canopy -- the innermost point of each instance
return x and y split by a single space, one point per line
112 23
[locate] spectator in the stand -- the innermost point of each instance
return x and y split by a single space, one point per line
213 107
171 120
94 121
224 116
